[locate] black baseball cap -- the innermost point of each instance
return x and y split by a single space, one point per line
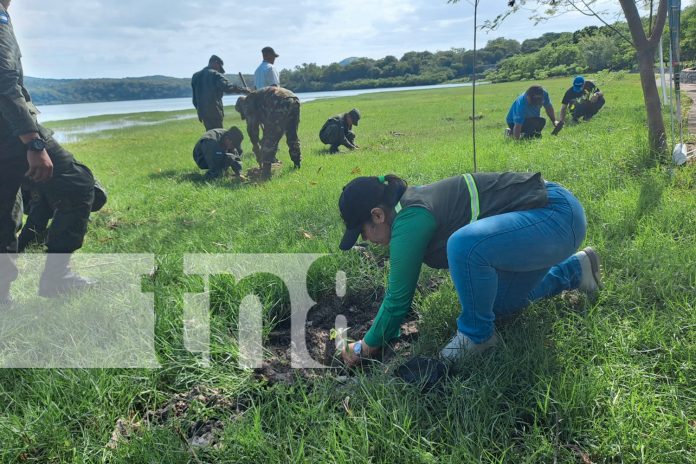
354 115
357 200
218 60
269 51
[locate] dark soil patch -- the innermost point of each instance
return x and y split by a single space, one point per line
254 174
320 322
182 412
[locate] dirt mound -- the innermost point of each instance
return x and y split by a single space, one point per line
320 322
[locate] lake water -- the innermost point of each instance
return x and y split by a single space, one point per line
83 110
56 113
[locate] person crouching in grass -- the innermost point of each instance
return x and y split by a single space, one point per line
507 239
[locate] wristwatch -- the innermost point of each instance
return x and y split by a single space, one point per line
36 144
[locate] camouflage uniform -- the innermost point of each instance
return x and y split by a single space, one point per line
277 110
70 189
208 86
210 153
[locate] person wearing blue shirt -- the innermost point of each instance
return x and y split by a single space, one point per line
524 118
266 75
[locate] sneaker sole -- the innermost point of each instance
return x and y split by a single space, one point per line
596 265
471 350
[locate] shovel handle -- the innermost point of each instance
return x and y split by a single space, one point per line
241 77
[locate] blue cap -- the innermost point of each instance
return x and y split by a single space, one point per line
578 82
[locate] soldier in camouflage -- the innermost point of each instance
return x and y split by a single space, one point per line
337 131
277 110
218 150
208 85
29 154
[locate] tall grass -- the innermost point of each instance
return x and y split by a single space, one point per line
609 381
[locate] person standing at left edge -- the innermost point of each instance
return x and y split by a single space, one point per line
208 85
29 154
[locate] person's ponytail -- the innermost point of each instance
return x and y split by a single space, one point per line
394 188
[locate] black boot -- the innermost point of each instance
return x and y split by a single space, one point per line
58 279
266 171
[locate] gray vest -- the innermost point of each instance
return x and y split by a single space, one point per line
460 200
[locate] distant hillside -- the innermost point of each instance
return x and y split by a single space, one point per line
61 91
348 61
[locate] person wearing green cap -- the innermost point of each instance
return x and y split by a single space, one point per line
208 86
337 131
507 239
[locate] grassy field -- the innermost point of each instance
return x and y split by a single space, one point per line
612 380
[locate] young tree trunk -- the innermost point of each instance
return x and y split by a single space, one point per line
651 96
646 47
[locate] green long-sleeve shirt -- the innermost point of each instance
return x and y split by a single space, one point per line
412 230
430 215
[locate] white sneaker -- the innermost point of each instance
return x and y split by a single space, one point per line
591 280
460 345
508 132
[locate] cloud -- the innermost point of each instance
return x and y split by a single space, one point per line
100 38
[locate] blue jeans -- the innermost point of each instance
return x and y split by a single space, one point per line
501 263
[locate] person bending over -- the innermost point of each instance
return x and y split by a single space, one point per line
507 238
218 150
277 111
524 118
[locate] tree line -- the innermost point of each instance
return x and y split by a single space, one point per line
63 91
590 49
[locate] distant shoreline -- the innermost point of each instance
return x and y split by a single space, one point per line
65 112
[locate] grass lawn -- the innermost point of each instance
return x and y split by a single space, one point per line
612 380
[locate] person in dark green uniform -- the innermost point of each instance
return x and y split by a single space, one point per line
507 238
40 211
277 110
218 150
28 153
338 130
208 85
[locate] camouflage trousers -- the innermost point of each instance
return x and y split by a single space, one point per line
70 193
283 120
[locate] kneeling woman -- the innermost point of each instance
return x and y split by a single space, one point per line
507 238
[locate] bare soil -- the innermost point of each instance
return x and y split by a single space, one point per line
322 348
181 412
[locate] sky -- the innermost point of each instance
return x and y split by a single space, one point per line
129 38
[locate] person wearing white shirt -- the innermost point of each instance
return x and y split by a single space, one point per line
266 75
